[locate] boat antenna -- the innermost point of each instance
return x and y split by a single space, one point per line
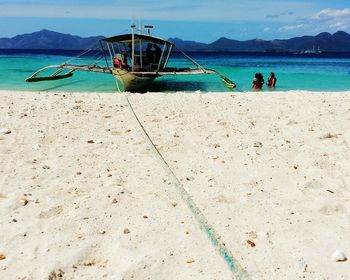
141 25
141 42
133 44
149 28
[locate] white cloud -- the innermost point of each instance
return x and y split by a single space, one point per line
337 25
194 10
291 27
65 11
340 25
333 19
332 13
267 29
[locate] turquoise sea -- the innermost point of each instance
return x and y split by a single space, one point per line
323 72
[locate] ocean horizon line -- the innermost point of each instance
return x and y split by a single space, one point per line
10 51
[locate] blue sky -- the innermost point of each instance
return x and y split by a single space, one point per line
200 20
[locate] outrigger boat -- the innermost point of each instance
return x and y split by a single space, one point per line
134 59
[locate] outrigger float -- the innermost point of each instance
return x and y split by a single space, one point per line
135 60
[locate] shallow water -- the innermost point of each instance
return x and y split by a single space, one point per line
294 72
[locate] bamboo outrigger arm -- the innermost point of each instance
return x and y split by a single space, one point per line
226 80
71 68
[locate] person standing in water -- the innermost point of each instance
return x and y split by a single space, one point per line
149 53
272 80
157 53
258 81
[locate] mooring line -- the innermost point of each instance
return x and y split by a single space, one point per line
237 270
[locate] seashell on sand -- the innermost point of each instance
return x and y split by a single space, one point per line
339 256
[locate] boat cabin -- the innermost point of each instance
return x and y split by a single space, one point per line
137 52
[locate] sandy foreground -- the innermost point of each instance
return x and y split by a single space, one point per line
83 195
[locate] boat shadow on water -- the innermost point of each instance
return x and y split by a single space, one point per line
16 70
59 86
173 86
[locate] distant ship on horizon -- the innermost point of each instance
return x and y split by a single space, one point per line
312 51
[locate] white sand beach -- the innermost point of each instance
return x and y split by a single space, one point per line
84 196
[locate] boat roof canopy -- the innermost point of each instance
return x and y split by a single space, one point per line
127 39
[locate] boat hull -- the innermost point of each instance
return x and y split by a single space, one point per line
127 81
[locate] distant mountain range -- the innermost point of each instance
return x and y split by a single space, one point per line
45 39
326 42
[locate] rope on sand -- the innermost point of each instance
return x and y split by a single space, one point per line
237 270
